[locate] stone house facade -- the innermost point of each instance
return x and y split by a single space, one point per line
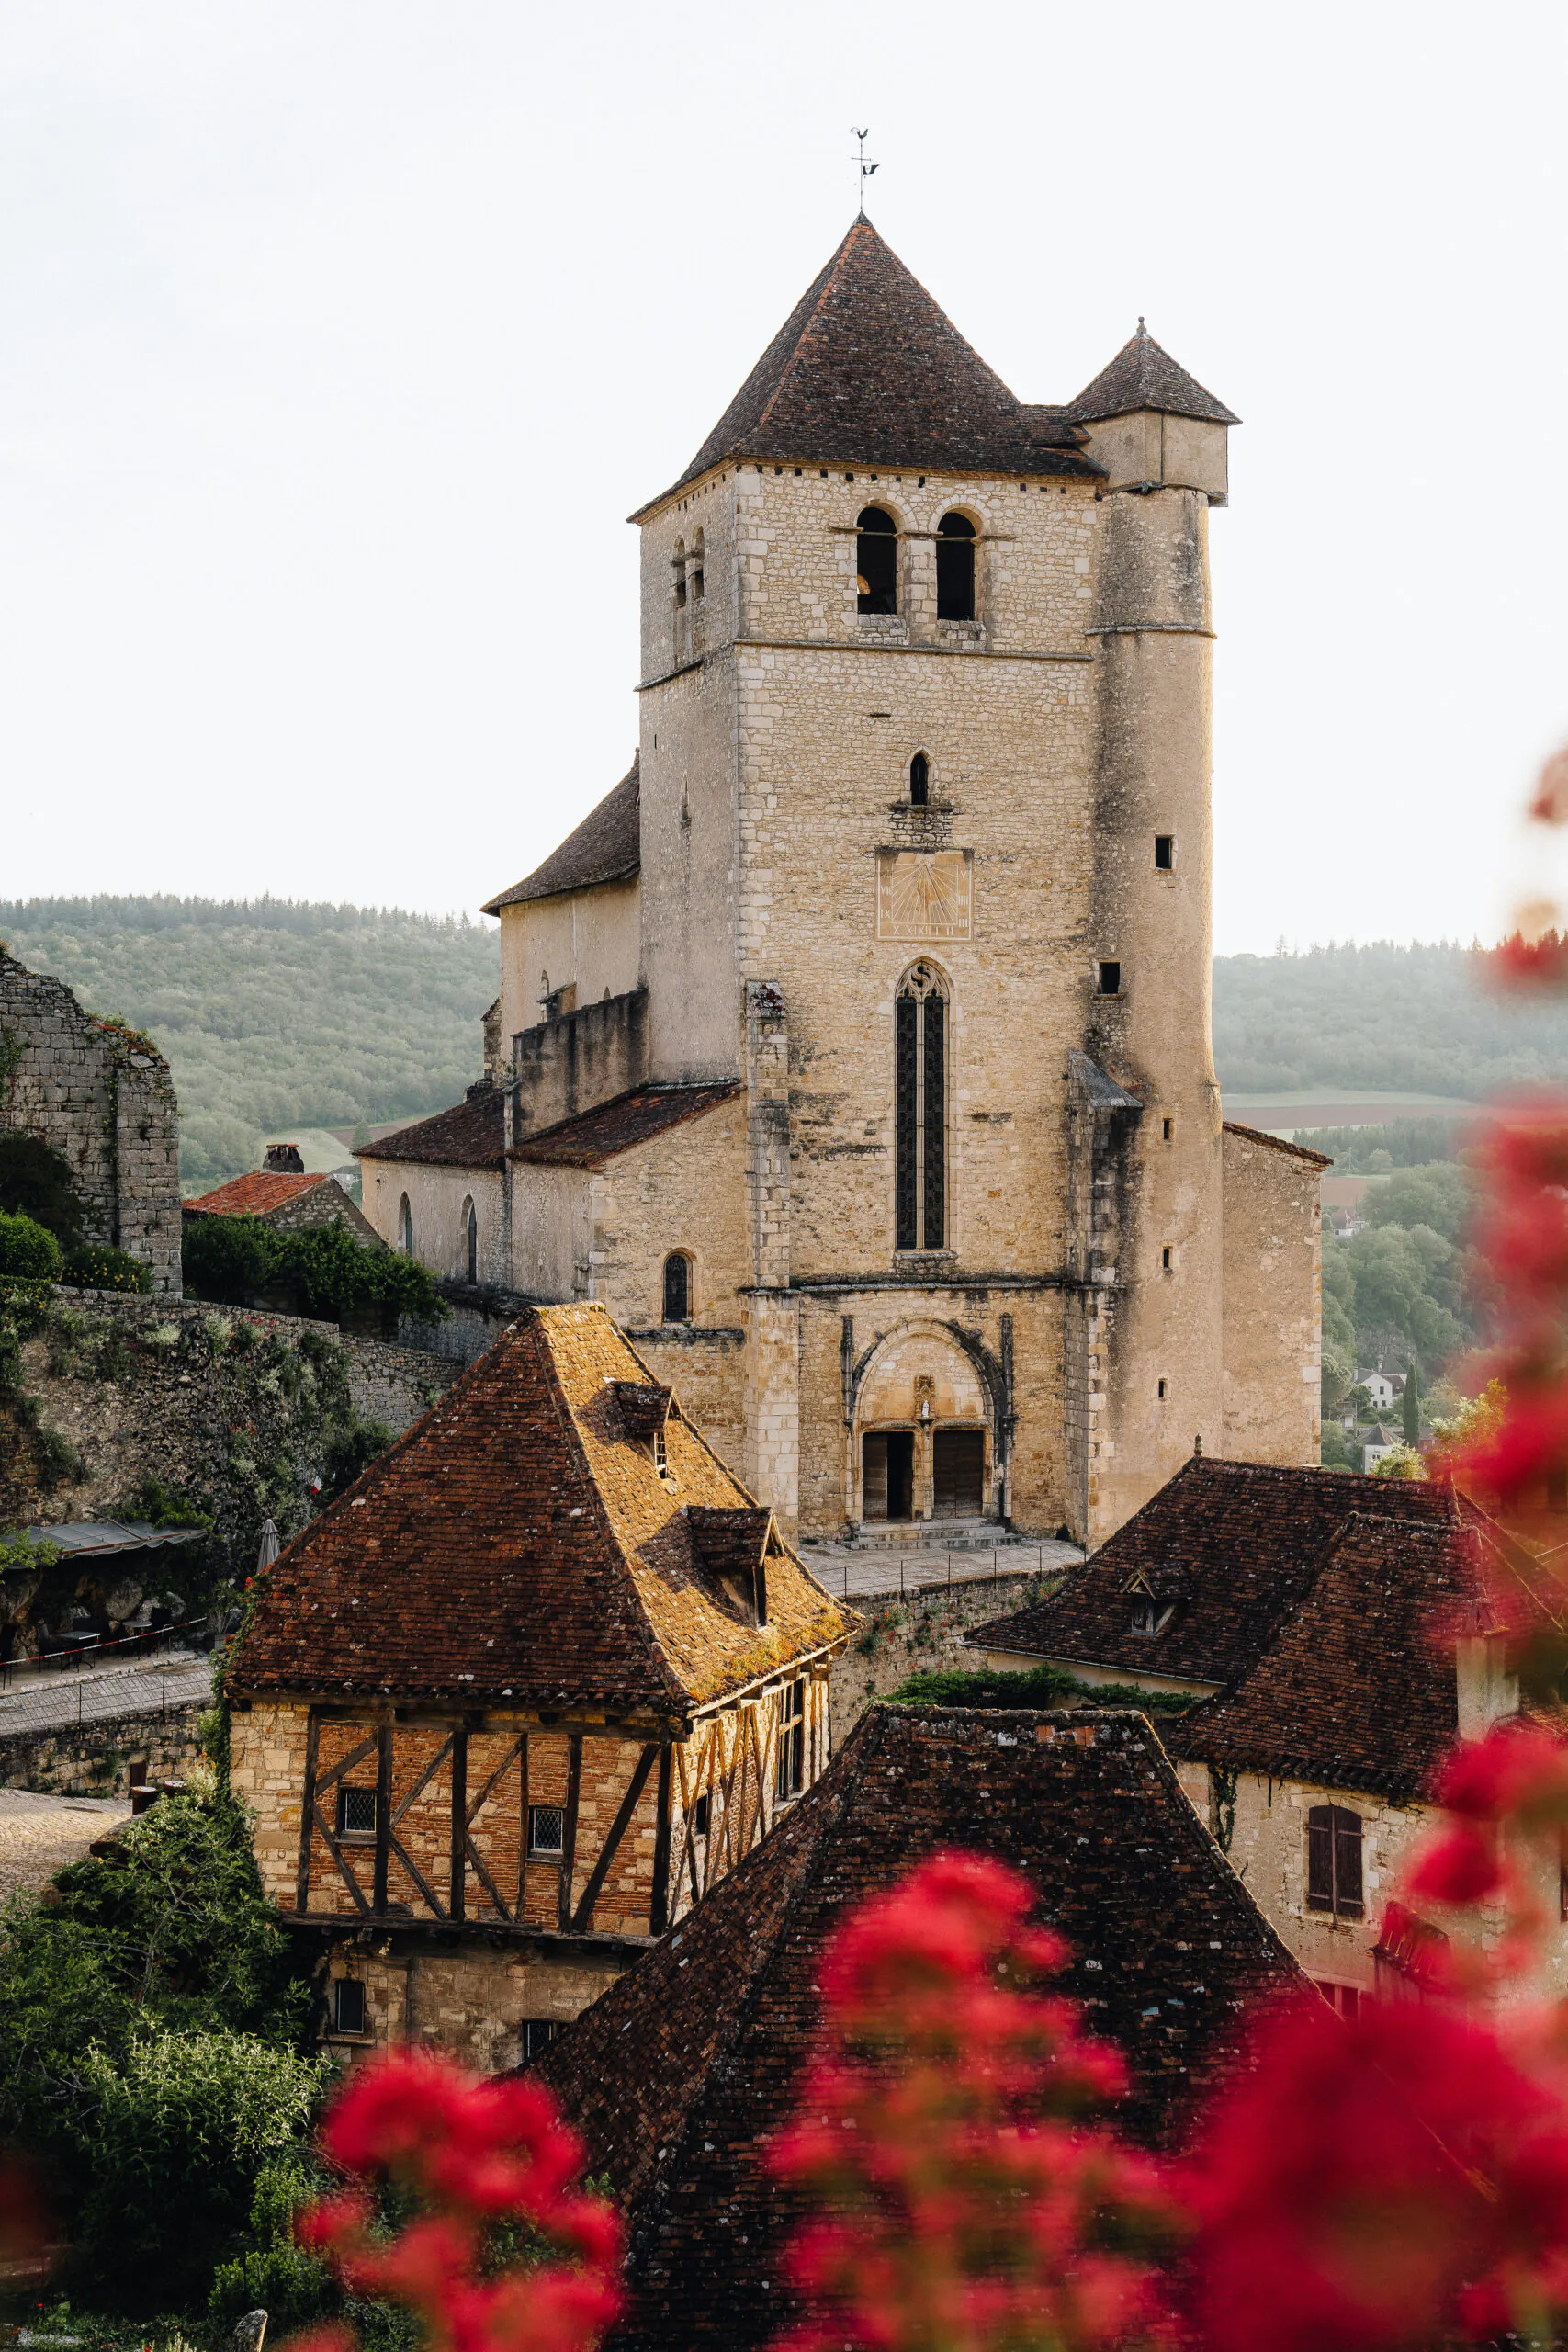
509 1708
288 1200
1339 1639
99 1094
903 907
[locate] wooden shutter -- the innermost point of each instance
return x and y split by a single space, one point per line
873 1459
958 1469
1346 1862
1320 1858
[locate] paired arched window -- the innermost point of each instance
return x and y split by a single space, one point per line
955 569
919 780
470 1241
876 561
405 1226
677 1287
919 1105
678 566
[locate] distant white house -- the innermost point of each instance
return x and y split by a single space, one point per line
1382 1387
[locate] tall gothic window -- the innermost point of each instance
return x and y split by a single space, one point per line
919 780
955 569
405 1228
919 1081
470 1241
876 561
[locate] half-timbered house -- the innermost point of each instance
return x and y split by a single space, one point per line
523 1694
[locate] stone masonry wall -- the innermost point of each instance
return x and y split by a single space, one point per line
100 1095
1273 1303
101 1759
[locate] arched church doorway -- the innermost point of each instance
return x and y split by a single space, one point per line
923 1437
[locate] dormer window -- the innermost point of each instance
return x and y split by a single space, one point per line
876 561
1150 1616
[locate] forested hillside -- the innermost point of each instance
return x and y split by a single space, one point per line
1415 1020
274 1014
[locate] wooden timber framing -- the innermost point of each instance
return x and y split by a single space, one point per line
457 1798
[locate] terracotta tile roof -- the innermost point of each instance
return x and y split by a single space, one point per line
472 1134
519 1544
1278 1143
678 2073
868 370
1357 1690
606 847
253 1195
596 1135
1143 375
1250 1539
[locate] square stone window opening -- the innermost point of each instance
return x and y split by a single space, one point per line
348 2006
1165 852
1108 978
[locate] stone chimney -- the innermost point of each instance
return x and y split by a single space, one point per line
283 1159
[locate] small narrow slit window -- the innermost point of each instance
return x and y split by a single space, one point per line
1165 852
700 1816
470 1241
1167 1258
1167 1128
537 2035
348 2006
696 574
919 780
678 566
1161 1391
546 1832
1107 980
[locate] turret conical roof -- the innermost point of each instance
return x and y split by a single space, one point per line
869 370
1143 375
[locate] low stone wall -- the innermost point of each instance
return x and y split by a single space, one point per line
100 1759
922 1635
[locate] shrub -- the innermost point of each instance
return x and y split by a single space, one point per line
28 1248
36 1181
97 1267
1041 1686
323 1272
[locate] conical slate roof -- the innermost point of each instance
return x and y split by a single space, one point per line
868 370
1143 375
676 2075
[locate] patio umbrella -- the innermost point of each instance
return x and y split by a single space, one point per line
270 1546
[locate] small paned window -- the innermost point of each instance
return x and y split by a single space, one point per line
537 2035
1165 852
919 780
1333 1860
1107 980
547 1831
919 1108
700 1816
355 1812
792 1740
677 1287
876 561
955 569
1345 2000
348 2006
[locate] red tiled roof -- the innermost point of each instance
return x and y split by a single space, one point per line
520 1544
606 847
471 1134
1250 1538
596 1135
253 1195
1357 1690
1143 375
679 2073
1279 1143
867 368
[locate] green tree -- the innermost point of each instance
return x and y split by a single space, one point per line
1412 1408
1437 1195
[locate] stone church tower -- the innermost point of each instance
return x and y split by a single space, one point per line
859 1042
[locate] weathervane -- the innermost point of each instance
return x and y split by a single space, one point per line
863 169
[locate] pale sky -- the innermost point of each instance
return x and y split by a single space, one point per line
341 337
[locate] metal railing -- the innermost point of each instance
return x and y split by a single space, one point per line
63 1666
1017 1564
